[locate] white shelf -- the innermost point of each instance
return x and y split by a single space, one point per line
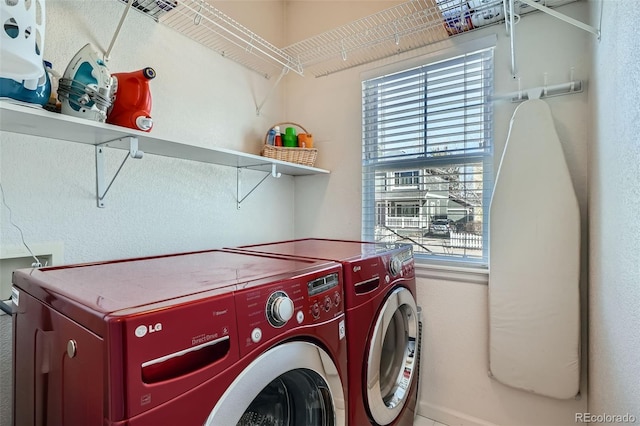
39 122
405 26
203 23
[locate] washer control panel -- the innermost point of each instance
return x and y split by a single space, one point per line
266 311
401 263
325 295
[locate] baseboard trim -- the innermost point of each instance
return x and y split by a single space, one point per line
450 417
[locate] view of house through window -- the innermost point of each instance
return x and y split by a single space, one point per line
427 155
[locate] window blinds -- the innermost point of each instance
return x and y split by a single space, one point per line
427 147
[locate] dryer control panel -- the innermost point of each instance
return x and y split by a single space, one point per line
269 311
368 277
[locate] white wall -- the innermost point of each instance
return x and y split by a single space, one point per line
156 205
614 293
455 387
160 205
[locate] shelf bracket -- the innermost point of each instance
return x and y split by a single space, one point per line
285 70
563 17
274 173
101 186
107 54
512 19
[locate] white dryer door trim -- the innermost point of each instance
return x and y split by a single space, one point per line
268 367
392 361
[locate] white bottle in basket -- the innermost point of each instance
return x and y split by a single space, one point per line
278 139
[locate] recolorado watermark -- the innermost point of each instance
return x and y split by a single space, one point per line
604 418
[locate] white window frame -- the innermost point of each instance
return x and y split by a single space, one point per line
370 205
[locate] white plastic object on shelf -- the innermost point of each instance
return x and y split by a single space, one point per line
486 16
22 39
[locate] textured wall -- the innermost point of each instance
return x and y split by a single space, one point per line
614 292
455 385
156 205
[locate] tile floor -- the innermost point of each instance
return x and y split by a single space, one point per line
423 421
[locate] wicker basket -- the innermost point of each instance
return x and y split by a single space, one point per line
304 156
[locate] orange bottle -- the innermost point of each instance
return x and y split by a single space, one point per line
305 140
132 105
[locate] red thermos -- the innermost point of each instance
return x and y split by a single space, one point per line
132 105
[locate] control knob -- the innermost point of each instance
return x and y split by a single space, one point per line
395 266
327 303
315 310
279 309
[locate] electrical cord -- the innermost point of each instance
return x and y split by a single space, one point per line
4 306
36 263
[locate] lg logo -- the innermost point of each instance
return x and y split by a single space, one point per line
142 330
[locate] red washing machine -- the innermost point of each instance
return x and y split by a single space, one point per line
383 325
207 338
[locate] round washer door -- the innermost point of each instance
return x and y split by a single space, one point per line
392 357
296 383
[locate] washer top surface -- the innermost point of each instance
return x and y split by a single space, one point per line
331 250
132 283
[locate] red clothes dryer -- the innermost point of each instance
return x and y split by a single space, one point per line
208 338
383 329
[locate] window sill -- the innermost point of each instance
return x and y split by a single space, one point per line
465 274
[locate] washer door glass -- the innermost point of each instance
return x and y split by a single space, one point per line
298 397
292 384
392 357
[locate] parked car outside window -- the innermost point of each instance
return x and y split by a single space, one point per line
440 227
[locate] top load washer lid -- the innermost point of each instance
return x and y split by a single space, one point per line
333 250
135 284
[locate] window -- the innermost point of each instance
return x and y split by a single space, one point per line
427 157
407 178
